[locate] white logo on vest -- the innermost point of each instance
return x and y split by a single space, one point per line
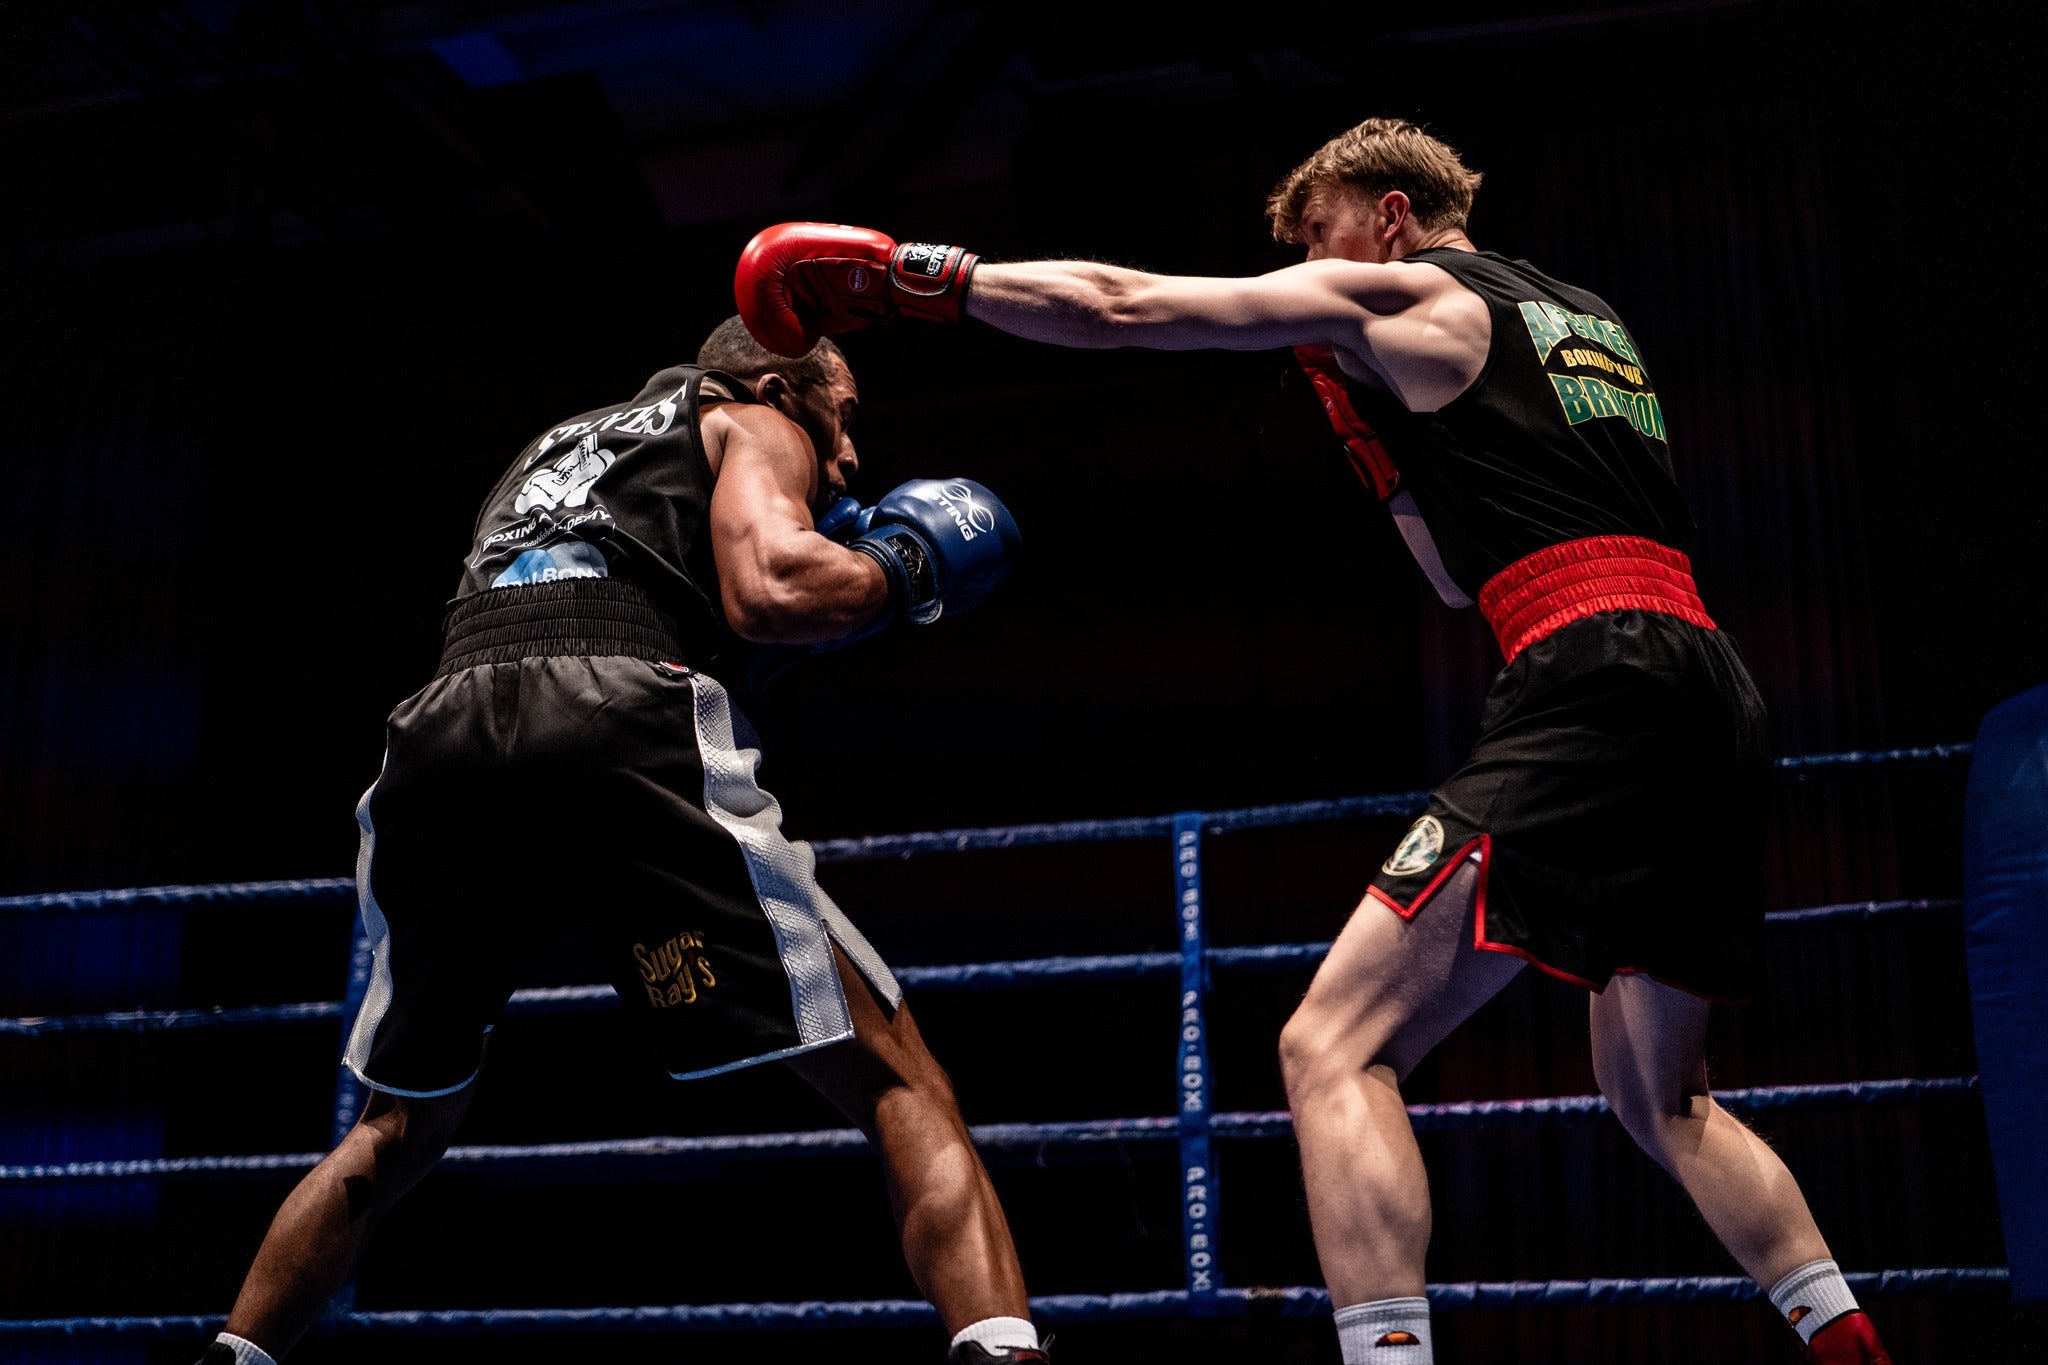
566 482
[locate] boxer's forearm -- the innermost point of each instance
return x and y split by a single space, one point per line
1088 305
799 589
1065 303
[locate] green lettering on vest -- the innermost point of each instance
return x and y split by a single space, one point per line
1571 396
1547 327
1601 397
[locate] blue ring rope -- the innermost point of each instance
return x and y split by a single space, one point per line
1294 1302
1192 1128
1459 1115
339 890
956 976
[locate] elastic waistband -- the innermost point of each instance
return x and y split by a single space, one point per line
594 617
1554 587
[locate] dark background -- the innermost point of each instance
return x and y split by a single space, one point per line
287 284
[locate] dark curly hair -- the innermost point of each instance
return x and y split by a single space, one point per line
731 348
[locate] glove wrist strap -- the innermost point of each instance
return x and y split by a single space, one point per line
907 563
930 282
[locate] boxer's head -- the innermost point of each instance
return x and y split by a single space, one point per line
816 391
1365 188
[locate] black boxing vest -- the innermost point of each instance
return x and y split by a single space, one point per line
1561 436
622 492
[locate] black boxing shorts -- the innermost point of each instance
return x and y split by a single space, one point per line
609 793
1616 803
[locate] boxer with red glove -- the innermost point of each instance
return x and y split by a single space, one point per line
799 281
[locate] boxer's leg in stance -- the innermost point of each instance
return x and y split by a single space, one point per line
1388 992
1649 1055
319 1232
955 1238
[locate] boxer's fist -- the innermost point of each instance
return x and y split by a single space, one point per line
799 281
944 544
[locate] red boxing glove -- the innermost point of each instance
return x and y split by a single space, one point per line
1368 453
799 281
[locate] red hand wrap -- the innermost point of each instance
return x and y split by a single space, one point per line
1369 455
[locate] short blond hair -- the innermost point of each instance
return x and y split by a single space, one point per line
1378 156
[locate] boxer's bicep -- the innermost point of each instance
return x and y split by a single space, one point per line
779 580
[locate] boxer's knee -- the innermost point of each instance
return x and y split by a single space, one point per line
1316 1054
1663 1115
403 1138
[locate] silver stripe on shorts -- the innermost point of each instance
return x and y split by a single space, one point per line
804 919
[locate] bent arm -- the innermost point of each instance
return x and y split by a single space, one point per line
779 580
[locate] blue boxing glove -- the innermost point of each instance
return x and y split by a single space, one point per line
945 544
842 520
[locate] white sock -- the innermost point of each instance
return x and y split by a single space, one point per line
1000 1334
1385 1332
246 1352
1813 1296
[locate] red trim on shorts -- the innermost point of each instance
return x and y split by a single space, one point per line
1481 941
1483 842
1546 591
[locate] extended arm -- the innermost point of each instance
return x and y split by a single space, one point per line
1084 304
1409 324
781 582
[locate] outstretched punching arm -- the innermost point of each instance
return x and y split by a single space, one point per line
1409 324
779 580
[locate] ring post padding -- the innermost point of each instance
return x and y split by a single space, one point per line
2005 917
1197 1170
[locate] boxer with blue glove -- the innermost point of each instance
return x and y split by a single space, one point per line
943 545
628 561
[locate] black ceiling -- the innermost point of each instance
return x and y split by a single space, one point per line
137 129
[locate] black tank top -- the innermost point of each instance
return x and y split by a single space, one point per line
621 492
1561 436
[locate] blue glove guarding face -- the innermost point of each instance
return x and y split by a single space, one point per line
842 520
945 544
934 562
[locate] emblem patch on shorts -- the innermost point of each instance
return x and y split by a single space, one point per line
1419 848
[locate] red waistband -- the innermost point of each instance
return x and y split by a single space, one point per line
1552 588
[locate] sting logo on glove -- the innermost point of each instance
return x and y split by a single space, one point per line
970 516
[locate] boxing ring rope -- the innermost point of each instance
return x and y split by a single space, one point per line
959 976
1193 1128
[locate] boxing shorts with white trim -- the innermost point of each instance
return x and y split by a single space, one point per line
1617 796
563 770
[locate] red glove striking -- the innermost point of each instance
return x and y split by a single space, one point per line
799 281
